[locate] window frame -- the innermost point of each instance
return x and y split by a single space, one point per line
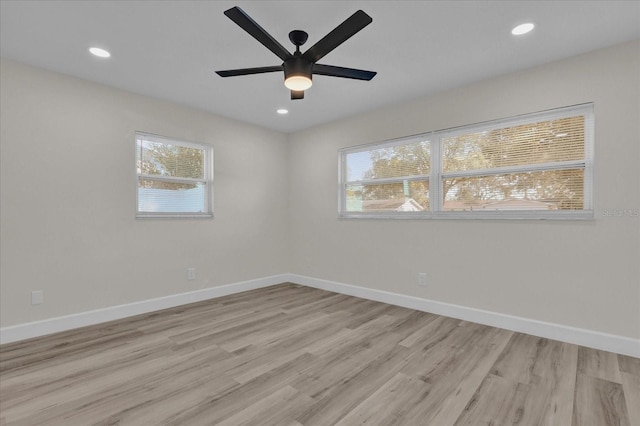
437 175
207 177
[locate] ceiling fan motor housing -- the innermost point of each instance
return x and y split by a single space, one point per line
297 66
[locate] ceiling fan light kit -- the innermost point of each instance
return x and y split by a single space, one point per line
297 74
299 67
298 82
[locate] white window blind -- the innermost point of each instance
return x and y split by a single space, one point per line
534 166
174 178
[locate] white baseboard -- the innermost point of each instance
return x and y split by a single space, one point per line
593 339
53 325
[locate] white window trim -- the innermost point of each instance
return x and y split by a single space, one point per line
208 177
436 176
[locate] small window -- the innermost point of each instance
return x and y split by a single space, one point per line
174 178
535 166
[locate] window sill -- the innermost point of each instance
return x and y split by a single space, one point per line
174 216
495 215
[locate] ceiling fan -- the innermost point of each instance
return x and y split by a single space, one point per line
299 67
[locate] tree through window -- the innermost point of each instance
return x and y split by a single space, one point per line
174 177
530 166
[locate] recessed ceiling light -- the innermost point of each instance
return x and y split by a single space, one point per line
283 111
522 28
101 53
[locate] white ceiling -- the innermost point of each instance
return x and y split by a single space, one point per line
170 49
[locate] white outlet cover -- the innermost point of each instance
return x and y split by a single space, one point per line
37 297
422 279
191 273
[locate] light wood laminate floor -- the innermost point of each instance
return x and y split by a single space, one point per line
290 355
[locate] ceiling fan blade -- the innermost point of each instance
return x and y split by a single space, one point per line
245 22
334 71
297 94
339 35
248 71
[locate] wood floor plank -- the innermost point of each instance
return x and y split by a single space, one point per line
274 409
253 361
491 404
518 362
558 375
400 392
548 368
470 374
631 388
345 385
340 364
599 402
425 331
454 372
277 330
290 355
546 398
225 404
629 365
601 364
106 394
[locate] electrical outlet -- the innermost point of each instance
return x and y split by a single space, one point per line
191 274
422 279
37 297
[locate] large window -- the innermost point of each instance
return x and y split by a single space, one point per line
528 167
174 178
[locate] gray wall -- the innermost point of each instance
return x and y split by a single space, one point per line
68 199
577 273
